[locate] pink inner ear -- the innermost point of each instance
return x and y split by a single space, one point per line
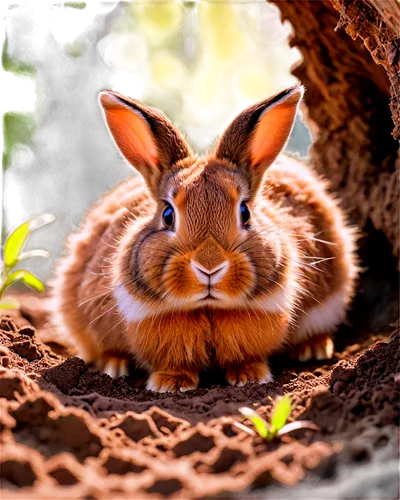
131 132
272 131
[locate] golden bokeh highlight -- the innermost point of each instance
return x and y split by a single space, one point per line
158 20
199 62
168 71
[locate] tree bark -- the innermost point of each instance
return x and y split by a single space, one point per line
353 101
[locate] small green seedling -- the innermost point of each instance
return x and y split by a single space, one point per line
277 425
12 255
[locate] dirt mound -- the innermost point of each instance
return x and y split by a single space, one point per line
68 432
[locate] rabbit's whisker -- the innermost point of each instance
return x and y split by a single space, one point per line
104 294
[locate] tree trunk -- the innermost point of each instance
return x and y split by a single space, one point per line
353 101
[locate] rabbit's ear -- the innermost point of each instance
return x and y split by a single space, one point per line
255 137
144 136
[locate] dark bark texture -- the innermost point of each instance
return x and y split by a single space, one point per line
353 101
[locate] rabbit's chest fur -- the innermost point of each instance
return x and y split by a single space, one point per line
205 337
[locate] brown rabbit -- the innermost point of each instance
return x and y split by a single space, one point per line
207 261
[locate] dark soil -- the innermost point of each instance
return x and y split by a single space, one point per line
68 432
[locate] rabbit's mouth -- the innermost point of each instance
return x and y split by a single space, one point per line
209 296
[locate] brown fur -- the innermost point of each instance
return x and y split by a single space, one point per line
127 286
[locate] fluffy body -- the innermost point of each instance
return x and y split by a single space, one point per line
130 288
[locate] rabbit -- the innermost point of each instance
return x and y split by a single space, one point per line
215 261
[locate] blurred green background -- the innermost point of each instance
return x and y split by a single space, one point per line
199 62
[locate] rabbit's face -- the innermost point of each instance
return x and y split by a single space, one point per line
208 242
205 246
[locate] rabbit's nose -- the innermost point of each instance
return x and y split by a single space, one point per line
209 276
209 254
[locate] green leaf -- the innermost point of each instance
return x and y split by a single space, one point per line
14 245
26 277
259 423
33 253
17 238
280 414
9 303
298 424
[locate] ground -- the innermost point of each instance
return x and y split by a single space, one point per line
67 432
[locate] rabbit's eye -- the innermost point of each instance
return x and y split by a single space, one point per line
168 216
245 213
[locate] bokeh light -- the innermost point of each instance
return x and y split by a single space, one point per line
200 62
158 20
77 47
257 9
127 51
166 72
202 98
252 80
271 29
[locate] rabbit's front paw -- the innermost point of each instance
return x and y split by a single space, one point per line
253 371
112 364
319 348
172 381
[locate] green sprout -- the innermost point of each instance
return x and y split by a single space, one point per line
277 425
12 255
